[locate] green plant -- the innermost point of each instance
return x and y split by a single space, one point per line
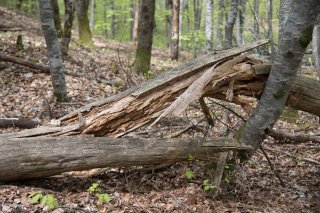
207 185
189 174
96 189
45 200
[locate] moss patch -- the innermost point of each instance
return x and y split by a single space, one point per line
279 94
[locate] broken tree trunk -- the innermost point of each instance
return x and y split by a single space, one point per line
25 158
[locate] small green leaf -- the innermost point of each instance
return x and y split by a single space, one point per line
206 188
36 198
104 198
190 157
189 174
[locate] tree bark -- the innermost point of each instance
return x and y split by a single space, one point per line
82 7
145 37
174 39
53 48
181 10
256 28
56 17
69 9
112 19
26 158
241 21
220 23
316 45
18 122
92 15
230 23
296 36
270 28
136 21
208 26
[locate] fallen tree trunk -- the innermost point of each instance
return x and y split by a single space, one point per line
25 158
18 122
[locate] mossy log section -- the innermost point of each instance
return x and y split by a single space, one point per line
25 158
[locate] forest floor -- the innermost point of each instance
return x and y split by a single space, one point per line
105 70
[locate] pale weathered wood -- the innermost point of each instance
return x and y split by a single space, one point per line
25 158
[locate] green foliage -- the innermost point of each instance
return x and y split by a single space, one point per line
96 189
45 200
190 157
148 74
207 186
279 94
189 174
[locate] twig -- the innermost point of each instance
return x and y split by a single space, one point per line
295 157
272 167
287 137
206 112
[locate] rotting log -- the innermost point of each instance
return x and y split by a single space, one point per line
25 158
18 122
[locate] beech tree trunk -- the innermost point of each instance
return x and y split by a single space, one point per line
296 36
145 36
136 21
92 15
112 19
270 28
241 20
25 158
53 48
174 39
256 27
69 9
230 23
82 7
220 23
316 45
56 17
208 26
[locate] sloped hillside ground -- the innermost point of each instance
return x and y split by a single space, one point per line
105 71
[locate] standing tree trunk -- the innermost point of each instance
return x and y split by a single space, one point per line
52 42
82 7
220 23
256 30
241 20
316 45
136 21
56 17
283 12
174 39
168 6
112 19
293 41
105 26
180 21
230 23
270 29
69 9
145 34
208 30
197 11
92 15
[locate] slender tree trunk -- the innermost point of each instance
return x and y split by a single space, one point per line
145 34
181 9
230 23
316 45
52 42
168 6
270 28
220 23
283 12
56 17
240 20
174 40
82 7
136 21
112 19
293 41
69 9
197 11
105 26
256 29
92 15
208 30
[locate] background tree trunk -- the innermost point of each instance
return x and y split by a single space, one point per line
208 26
220 24
136 21
145 35
270 28
316 45
92 15
174 39
105 25
296 36
112 19
256 28
52 42
82 7
56 17
230 23
181 10
69 9
241 20
168 6
197 11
